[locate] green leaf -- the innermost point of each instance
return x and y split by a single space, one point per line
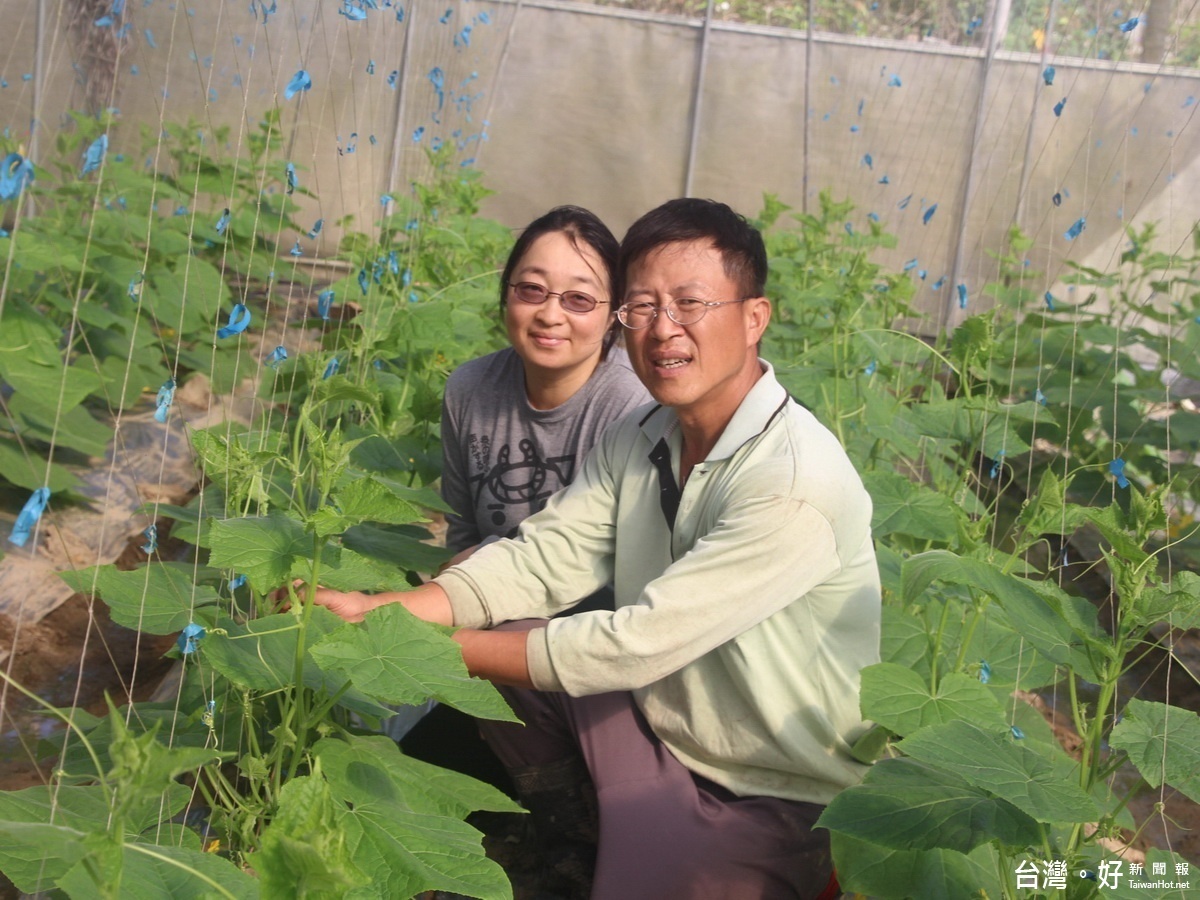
904 804
1003 766
304 851
420 786
872 870
28 470
34 853
1177 603
54 386
27 338
352 572
899 698
399 545
906 507
159 598
368 500
401 850
73 428
1163 743
400 659
263 548
261 655
1014 663
151 872
1056 625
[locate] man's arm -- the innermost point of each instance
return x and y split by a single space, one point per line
428 602
498 656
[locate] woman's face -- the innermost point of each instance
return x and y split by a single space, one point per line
551 341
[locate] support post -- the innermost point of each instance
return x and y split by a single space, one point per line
808 67
1038 87
697 101
997 16
401 99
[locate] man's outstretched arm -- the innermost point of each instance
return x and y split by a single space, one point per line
497 656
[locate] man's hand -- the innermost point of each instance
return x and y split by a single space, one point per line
428 602
349 605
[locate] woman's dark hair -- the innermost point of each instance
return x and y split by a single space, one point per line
688 219
581 226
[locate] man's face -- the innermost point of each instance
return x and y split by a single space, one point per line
703 370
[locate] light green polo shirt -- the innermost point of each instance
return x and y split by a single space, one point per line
742 630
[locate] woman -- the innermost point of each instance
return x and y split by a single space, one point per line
516 424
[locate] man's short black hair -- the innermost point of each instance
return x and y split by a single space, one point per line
689 219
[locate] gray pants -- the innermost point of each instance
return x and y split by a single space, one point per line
664 832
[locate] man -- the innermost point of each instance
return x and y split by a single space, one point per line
714 708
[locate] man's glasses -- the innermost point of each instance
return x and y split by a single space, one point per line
681 311
535 294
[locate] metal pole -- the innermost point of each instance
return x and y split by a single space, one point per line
997 14
1023 187
487 116
697 98
401 97
808 67
38 95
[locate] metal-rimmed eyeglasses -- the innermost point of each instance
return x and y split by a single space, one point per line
536 294
681 311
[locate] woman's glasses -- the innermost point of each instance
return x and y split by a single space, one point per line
535 294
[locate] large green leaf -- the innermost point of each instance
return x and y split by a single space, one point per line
261 655
304 851
400 545
159 598
420 786
366 499
73 427
876 871
900 699
903 506
56 386
400 659
904 804
1005 767
42 827
28 469
263 548
1177 603
345 570
27 338
1060 627
152 872
1163 743
401 850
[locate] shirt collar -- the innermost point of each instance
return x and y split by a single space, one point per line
752 417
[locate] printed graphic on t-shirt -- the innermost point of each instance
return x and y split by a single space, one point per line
522 479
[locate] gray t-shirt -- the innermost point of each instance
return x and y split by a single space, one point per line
502 459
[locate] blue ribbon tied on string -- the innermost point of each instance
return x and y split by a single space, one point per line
1116 468
16 173
331 369
324 304
166 395
94 155
300 82
29 515
278 355
239 319
189 639
151 535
